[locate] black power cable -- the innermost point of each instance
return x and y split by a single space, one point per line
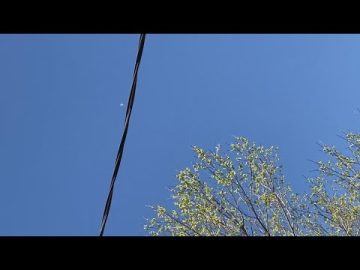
122 144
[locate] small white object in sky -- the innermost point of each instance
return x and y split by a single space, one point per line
121 104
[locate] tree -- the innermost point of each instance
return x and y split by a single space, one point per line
244 193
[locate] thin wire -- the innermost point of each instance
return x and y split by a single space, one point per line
122 144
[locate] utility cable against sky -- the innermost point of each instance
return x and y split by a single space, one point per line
126 126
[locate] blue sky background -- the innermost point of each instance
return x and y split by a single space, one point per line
61 119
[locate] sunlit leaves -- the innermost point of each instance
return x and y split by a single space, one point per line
244 192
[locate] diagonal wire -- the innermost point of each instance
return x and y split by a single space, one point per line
122 144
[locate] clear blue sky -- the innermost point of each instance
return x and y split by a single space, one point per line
61 118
